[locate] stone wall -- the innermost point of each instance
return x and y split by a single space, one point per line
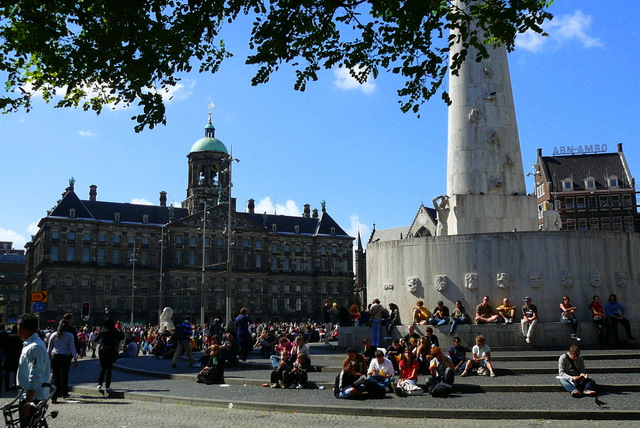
542 265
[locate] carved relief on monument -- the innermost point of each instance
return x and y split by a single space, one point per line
475 115
495 182
492 137
471 281
621 279
503 280
488 72
566 279
441 282
536 279
388 287
413 284
594 278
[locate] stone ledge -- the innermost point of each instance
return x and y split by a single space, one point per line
546 334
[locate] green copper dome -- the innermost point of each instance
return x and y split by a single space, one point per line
209 143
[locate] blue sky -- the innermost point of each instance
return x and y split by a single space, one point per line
341 142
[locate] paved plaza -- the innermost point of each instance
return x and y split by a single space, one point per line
525 389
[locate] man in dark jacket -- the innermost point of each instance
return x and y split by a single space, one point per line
183 338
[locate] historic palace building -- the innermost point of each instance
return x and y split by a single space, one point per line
591 191
132 260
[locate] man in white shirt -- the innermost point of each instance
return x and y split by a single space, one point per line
381 370
33 369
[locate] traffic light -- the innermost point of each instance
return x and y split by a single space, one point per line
85 311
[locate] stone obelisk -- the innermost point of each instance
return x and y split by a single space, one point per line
485 178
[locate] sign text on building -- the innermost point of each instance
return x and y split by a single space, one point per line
579 150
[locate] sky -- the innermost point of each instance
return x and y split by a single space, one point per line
339 141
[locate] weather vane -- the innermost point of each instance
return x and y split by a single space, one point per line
210 108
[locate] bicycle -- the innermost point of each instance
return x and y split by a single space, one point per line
37 419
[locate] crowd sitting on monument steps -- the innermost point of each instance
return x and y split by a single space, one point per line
605 318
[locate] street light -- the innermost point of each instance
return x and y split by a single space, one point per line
202 291
161 273
133 278
228 287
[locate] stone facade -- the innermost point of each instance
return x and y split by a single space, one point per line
542 265
282 267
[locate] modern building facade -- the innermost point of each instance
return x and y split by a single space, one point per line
590 191
133 260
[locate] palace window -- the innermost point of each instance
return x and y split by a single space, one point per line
612 182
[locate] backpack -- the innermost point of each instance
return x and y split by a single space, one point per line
374 390
441 390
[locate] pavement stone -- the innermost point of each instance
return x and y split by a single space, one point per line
557 404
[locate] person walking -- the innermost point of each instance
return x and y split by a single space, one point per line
327 313
376 321
33 369
183 339
109 339
243 333
61 351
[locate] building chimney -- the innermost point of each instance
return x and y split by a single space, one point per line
619 147
93 192
315 213
539 153
163 199
307 211
251 206
233 204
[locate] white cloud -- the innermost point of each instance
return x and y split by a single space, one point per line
180 91
345 81
86 133
11 236
33 228
267 206
562 29
355 226
140 201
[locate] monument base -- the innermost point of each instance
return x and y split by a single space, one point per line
492 213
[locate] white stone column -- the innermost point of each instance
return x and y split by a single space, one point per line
485 178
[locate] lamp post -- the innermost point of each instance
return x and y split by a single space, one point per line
228 287
161 273
133 279
202 291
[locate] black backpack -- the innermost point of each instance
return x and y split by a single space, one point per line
440 390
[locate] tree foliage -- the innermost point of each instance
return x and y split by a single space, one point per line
93 53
